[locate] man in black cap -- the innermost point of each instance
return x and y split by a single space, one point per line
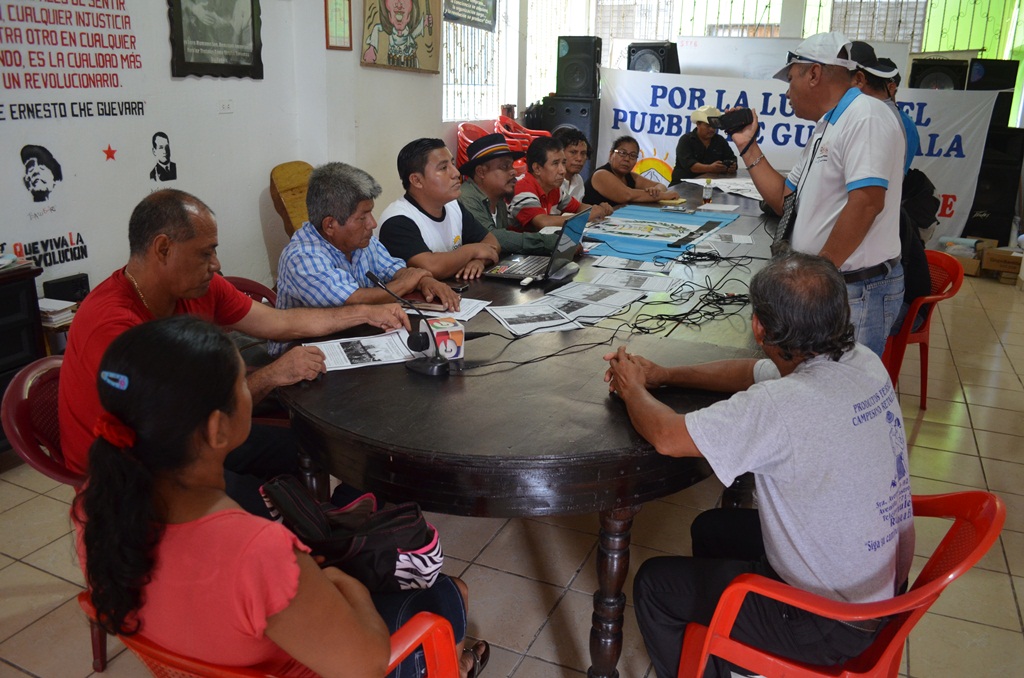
873 77
492 180
42 172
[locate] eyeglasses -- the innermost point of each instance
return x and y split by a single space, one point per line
627 156
793 56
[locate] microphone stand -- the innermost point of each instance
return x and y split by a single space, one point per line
436 366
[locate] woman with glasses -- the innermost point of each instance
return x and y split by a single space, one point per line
617 183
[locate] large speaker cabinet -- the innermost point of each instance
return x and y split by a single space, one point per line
653 57
995 198
579 64
581 113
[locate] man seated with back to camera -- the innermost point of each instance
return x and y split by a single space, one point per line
326 261
490 184
541 198
819 425
427 227
577 152
173 269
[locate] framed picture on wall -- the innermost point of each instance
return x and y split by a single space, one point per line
216 37
403 34
338 15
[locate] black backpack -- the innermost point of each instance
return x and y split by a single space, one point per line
393 549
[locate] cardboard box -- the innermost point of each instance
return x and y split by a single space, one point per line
1003 260
972 265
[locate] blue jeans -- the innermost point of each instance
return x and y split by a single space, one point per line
874 305
442 598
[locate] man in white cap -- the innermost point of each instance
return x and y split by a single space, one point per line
846 186
702 150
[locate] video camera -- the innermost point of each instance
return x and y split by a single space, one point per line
732 121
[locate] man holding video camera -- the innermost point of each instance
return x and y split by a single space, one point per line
845 189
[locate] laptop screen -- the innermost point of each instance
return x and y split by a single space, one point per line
569 240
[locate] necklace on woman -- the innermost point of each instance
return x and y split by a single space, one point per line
135 284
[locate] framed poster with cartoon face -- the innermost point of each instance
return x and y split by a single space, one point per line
404 34
216 37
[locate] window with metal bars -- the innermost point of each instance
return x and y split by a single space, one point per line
480 68
879 20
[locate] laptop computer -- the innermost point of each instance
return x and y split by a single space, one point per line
555 267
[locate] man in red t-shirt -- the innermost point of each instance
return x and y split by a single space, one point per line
173 269
541 199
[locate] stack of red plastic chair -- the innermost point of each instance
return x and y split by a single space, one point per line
519 138
468 133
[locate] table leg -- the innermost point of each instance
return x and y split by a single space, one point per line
609 600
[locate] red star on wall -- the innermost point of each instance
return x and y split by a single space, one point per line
109 152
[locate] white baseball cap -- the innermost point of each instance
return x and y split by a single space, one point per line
823 48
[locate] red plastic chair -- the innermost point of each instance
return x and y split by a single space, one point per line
430 631
468 133
977 517
506 125
29 415
252 289
947 276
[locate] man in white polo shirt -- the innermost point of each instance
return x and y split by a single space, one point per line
847 183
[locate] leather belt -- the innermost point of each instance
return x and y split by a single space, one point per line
871 271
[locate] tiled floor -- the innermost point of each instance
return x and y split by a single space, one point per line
531 580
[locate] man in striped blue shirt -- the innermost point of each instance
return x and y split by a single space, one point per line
326 262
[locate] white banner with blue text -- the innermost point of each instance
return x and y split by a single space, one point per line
655 108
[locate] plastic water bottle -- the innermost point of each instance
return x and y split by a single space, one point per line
707 191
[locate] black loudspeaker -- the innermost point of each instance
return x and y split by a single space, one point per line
938 74
579 63
653 57
71 288
995 74
995 197
578 112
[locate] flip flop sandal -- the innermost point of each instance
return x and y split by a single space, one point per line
481 654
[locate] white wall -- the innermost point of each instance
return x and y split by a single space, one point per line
313 104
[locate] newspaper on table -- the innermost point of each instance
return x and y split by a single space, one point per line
596 294
467 309
379 349
637 280
533 318
734 238
735 185
580 311
633 264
